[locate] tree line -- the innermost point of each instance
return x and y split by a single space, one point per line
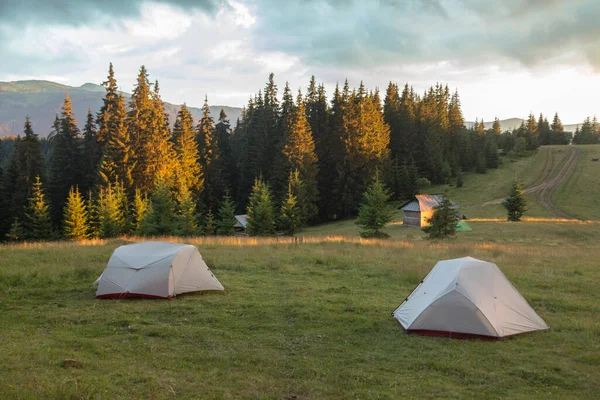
286 163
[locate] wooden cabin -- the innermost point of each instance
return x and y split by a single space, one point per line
418 211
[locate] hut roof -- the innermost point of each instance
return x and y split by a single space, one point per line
240 221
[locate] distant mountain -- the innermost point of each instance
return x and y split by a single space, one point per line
41 100
513 123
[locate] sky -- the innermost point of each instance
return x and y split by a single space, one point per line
506 59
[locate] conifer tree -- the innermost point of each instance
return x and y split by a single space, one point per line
330 161
66 162
281 166
93 217
576 135
496 127
544 132
443 221
188 217
224 140
429 144
249 147
75 216
209 227
226 216
317 114
210 159
532 133
588 133
109 207
158 148
189 178
515 203
108 110
456 124
160 218
273 136
365 139
26 163
492 159
91 153
374 212
38 224
261 215
141 205
558 131
289 220
407 122
16 231
31 160
391 115
299 153
118 158
150 135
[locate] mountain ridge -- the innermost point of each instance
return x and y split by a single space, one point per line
514 123
41 100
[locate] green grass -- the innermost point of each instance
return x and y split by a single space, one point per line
479 188
304 321
495 184
577 196
580 195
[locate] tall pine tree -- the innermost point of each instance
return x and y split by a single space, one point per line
27 163
189 178
91 153
210 160
118 157
299 153
66 163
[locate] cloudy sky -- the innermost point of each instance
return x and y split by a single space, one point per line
506 60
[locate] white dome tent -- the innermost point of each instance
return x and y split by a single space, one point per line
467 298
155 270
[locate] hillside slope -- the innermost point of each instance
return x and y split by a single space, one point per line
41 100
559 181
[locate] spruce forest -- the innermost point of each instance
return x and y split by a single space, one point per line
289 163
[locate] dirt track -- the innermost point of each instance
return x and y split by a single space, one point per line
552 175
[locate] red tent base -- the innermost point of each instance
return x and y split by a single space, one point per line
128 295
453 335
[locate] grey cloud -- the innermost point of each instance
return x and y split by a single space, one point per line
16 16
352 33
384 32
82 12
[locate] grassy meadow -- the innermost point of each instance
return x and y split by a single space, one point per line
303 320
577 195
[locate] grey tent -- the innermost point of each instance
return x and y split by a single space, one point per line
467 298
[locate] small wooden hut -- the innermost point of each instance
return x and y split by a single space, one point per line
240 223
418 211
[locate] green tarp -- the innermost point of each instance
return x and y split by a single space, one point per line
462 226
